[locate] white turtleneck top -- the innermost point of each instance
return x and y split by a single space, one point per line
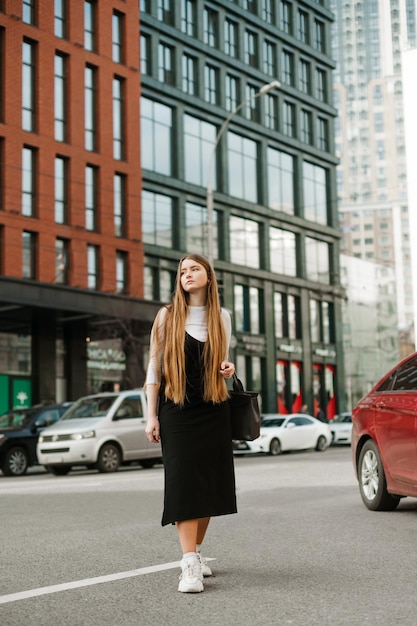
196 326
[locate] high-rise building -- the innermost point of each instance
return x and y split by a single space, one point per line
275 229
367 43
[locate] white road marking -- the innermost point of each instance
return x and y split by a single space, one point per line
87 582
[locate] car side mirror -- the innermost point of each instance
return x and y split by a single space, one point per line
291 425
122 413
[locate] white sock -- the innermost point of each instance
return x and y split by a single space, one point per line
189 555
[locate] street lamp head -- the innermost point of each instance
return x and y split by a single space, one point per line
266 88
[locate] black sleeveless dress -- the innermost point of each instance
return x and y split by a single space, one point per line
197 449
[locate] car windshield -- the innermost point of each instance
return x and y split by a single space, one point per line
343 418
90 407
15 419
267 423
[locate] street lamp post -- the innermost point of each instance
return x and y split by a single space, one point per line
210 200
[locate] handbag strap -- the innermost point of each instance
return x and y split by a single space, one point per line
237 383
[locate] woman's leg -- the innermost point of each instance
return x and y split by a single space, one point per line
187 533
203 523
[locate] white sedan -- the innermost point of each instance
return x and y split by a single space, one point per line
341 428
281 433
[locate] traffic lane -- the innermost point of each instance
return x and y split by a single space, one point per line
293 551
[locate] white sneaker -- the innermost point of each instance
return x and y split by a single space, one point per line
191 578
205 570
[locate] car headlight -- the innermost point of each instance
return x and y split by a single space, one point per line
89 434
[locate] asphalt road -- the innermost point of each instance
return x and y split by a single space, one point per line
87 549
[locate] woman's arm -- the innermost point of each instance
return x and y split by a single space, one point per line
152 426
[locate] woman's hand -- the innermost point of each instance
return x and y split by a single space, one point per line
227 369
152 430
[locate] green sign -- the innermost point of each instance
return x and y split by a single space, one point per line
22 393
4 394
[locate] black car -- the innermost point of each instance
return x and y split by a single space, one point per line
19 432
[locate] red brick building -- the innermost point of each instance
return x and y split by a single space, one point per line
71 257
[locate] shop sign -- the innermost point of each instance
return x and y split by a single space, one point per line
325 352
22 394
285 347
254 344
106 359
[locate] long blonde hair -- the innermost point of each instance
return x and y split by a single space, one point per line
169 334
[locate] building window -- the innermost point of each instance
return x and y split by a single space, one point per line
306 134
165 11
28 255
188 17
210 84
268 11
196 229
269 59
28 182
119 205
242 167
121 272
157 219
92 266
322 134
287 316
280 181
287 68
232 91
304 76
60 190
60 18
251 57
303 26
319 35
90 25
317 260
282 252
315 193
285 17
28 86
321 322
118 143
231 39
145 55
252 104
248 309
158 284
210 25
90 130
156 131
165 64
61 261
321 91
271 112
117 37
28 12
250 6
288 119
189 83
60 96
244 242
91 197
198 146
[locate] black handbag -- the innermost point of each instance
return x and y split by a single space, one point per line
245 416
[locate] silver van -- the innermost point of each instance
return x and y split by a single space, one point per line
100 431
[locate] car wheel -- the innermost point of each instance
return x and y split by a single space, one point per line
321 444
109 458
16 462
372 482
147 463
58 470
274 447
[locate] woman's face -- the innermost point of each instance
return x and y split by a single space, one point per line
193 276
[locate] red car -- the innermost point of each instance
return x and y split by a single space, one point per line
384 438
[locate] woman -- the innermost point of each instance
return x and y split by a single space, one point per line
189 413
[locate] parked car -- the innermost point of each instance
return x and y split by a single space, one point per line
384 438
100 431
19 432
281 433
341 428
